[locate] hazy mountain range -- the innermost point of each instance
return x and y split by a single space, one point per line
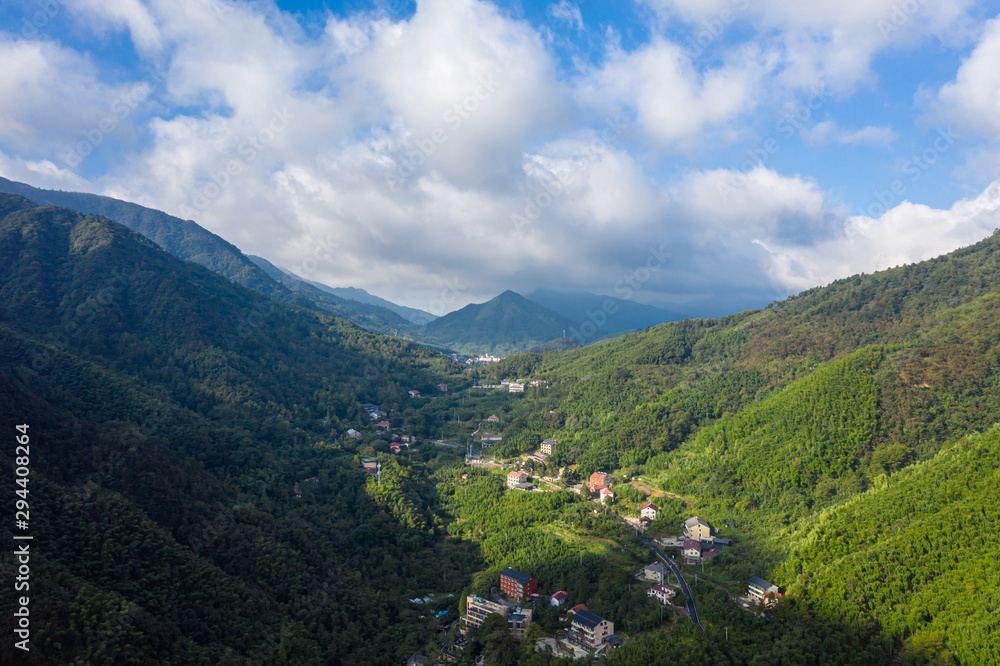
506 324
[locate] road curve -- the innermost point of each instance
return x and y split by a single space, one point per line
692 608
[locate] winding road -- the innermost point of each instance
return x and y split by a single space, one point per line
692 608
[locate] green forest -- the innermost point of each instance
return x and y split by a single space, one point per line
843 439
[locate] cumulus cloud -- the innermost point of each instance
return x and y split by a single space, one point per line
828 44
453 151
671 100
904 234
972 100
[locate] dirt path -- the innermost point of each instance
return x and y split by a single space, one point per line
652 491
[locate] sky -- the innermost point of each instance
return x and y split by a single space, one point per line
705 156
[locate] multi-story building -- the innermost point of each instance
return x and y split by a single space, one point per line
518 622
761 590
514 478
598 480
649 511
663 593
697 529
517 585
477 608
547 447
692 552
590 629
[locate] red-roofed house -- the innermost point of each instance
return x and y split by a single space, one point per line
598 480
493 418
442 387
394 447
514 478
382 424
559 598
606 494
692 552
414 393
649 511
663 593
578 608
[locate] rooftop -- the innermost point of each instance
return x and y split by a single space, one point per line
522 578
761 583
587 619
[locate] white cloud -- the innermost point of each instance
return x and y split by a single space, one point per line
829 44
671 100
828 131
119 14
972 100
904 234
50 96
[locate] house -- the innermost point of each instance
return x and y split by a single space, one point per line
518 622
559 598
394 447
589 629
353 434
665 594
577 608
477 609
406 439
369 407
517 585
598 480
697 529
312 479
370 465
297 490
761 590
649 511
538 382
493 418
606 494
721 543
382 424
442 387
416 660
710 553
488 440
515 387
547 447
655 572
414 393
692 552
514 478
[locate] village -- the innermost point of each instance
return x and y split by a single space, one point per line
518 599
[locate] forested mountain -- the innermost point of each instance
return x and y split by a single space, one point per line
609 315
798 428
182 238
506 324
834 437
171 412
413 315
372 317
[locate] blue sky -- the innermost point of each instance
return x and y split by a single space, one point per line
462 147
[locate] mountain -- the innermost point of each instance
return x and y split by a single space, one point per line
372 317
169 415
501 326
607 314
181 238
413 315
833 436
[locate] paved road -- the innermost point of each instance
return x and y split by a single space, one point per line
692 608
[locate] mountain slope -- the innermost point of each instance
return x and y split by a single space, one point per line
608 314
413 315
181 238
501 326
372 317
171 412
